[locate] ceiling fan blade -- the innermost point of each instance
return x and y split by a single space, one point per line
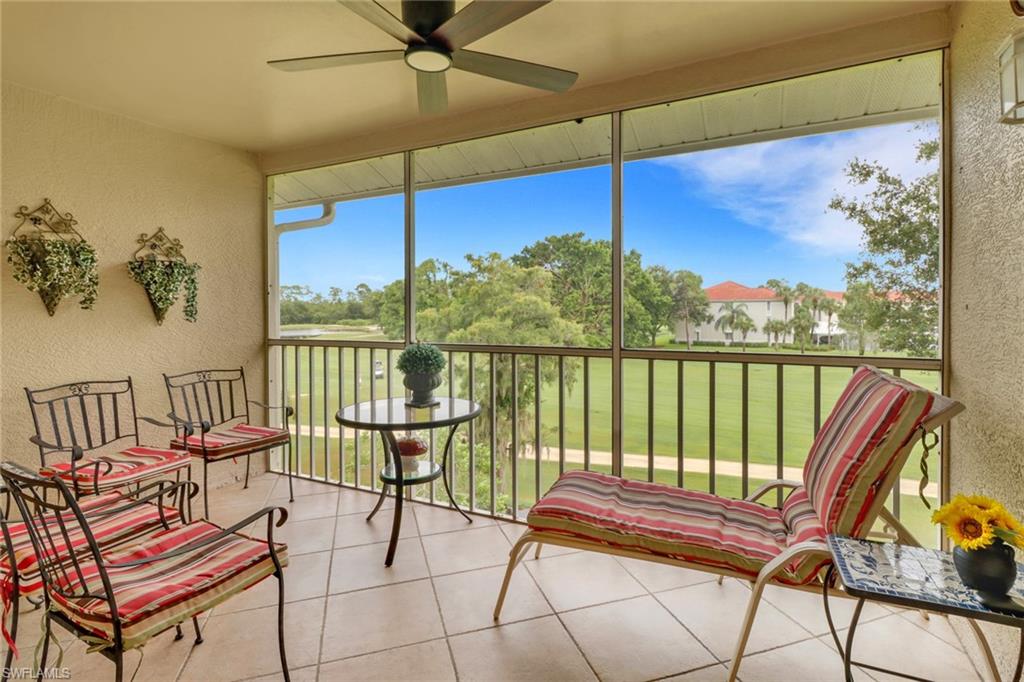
432 92
514 70
480 18
327 61
375 13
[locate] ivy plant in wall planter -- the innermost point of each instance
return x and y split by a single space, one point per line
163 272
50 257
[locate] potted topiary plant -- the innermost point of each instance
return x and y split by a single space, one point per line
422 364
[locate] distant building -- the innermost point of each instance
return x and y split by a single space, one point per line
761 304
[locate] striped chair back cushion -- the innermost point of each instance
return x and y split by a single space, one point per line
856 448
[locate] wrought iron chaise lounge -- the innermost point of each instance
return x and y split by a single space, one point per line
117 600
215 403
853 464
96 425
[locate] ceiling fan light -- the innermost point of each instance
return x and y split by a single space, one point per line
428 58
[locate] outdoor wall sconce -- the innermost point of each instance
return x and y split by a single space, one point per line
1011 79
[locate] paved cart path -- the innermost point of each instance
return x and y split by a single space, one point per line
696 465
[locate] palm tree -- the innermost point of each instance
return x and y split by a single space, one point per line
802 325
830 307
774 329
744 325
787 294
811 297
730 313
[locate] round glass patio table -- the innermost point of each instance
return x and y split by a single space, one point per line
389 415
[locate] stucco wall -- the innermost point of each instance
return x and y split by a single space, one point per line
987 331
119 178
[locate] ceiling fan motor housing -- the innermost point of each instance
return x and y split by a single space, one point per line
423 16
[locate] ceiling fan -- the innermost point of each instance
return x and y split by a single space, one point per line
434 36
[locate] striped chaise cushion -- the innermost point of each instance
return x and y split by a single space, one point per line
109 531
129 466
155 596
229 441
857 446
668 521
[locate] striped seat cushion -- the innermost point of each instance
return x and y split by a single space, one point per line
668 521
109 531
158 595
127 467
229 441
859 445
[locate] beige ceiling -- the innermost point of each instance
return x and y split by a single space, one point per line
199 67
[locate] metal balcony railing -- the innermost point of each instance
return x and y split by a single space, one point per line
721 422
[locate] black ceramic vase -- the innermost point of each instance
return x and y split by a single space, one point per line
991 570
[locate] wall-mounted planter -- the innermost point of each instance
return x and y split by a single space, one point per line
160 267
50 257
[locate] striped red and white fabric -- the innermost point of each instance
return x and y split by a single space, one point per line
857 447
109 531
672 522
127 467
158 595
230 441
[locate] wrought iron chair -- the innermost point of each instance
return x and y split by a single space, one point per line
116 519
117 600
98 417
853 465
215 403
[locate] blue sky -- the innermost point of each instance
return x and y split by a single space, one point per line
746 213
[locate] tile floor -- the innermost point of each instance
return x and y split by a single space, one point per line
569 616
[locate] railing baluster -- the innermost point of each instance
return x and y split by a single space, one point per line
779 444
312 413
327 416
451 394
284 401
650 420
561 416
515 435
341 404
494 427
586 414
680 425
711 426
373 441
356 433
817 399
536 427
745 428
471 478
298 419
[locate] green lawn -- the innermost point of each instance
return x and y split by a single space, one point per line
797 385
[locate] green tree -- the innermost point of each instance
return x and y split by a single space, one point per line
649 304
581 271
744 325
774 329
691 301
900 255
802 324
861 313
830 307
730 313
787 294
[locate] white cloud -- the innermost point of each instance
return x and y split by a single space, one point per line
785 185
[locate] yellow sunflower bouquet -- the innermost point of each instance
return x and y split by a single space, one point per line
976 521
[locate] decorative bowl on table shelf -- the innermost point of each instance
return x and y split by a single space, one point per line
410 448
